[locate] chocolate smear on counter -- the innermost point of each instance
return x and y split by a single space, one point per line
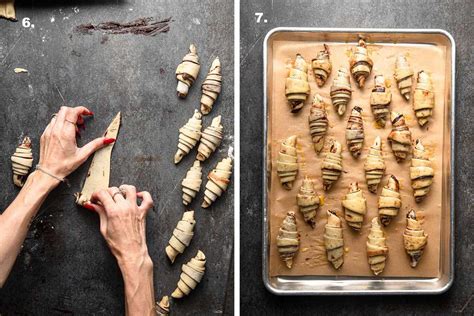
142 26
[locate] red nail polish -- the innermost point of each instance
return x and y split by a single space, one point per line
90 113
88 206
109 141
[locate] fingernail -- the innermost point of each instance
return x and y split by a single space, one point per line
88 206
90 113
109 141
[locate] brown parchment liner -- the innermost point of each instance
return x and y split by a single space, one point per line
311 258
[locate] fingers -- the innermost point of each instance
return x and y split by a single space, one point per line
61 116
130 193
91 147
104 198
46 134
74 114
102 216
147 201
116 194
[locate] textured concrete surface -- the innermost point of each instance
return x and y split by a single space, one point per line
453 16
65 266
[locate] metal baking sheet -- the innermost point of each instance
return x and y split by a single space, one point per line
340 285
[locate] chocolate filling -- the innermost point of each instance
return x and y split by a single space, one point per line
142 26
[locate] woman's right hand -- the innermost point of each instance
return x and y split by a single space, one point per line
122 221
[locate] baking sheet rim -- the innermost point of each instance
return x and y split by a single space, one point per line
265 230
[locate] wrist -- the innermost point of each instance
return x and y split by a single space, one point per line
131 265
42 181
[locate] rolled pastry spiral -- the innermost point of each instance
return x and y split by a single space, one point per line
377 249
333 240
400 137
187 71
287 162
192 182
341 91
191 275
163 307
355 206
288 239
390 202
210 139
211 87
297 87
374 165
218 181
318 122
380 100
322 66
423 98
403 75
308 201
421 172
331 166
414 239
361 64
189 135
182 235
22 161
355 132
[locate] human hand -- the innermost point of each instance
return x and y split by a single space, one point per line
122 222
59 154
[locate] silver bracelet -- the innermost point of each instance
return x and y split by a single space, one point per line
64 180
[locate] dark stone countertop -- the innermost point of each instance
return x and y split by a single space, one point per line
454 16
65 266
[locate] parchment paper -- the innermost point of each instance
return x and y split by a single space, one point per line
311 259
